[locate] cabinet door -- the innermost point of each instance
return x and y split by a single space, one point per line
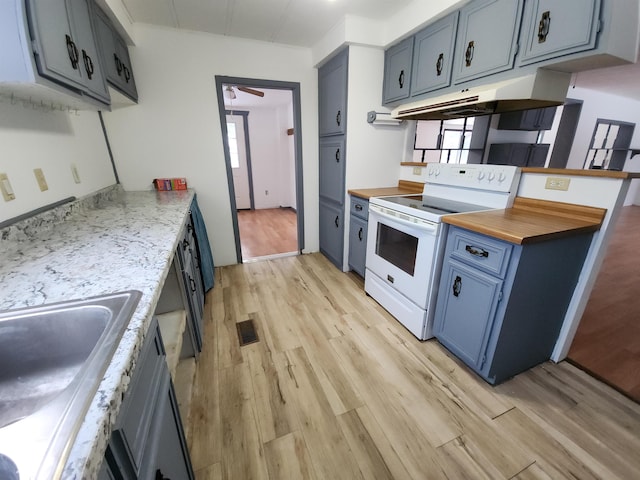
332 169
128 83
332 95
357 244
167 456
486 40
538 155
397 71
433 55
531 120
90 63
509 154
332 232
58 56
552 29
466 307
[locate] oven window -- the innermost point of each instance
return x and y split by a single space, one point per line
397 247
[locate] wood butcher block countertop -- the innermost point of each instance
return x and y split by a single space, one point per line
404 187
531 220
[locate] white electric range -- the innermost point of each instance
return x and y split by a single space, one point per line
406 236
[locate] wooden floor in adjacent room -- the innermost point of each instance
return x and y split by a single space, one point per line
335 388
268 231
607 342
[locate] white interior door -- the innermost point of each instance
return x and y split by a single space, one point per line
237 150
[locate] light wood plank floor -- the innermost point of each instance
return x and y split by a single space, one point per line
607 342
268 231
337 389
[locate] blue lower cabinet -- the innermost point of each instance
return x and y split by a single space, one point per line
500 306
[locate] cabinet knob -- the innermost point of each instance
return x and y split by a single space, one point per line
543 26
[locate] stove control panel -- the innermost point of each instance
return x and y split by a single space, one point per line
497 178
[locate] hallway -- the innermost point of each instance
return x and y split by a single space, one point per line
267 232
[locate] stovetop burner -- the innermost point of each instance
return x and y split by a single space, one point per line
433 205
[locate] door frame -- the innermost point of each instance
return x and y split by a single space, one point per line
245 125
294 87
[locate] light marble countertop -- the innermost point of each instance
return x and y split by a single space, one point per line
109 242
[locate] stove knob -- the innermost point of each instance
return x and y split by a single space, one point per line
437 172
430 171
491 176
501 177
480 175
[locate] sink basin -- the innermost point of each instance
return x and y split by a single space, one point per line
52 359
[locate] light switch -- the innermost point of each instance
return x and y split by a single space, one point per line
42 182
5 186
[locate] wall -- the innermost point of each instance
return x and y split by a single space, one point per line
374 152
175 129
52 141
598 104
270 156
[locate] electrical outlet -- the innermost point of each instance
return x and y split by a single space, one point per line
74 171
557 183
417 170
5 186
42 182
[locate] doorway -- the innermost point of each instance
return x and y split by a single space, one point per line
260 123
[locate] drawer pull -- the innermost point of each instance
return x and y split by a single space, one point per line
358 207
477 251
457 286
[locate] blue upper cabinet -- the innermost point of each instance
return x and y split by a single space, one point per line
65 45
487 38
433 56
397 71
332 95
551 28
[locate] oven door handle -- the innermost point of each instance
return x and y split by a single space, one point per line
424 225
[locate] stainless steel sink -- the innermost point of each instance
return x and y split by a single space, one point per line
52 359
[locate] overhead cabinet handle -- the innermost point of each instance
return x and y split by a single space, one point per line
338 117
468 55
439 64
543 26
338 155
72 51
401 79
360 234
88 64
336 221
118 64
127 74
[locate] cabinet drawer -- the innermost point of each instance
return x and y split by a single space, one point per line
360 208
480 251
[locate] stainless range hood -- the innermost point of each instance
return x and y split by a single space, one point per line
542 88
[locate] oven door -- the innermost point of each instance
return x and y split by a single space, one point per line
403 253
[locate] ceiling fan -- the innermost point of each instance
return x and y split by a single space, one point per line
230 92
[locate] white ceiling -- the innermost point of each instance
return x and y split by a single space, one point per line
292 22
305 22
